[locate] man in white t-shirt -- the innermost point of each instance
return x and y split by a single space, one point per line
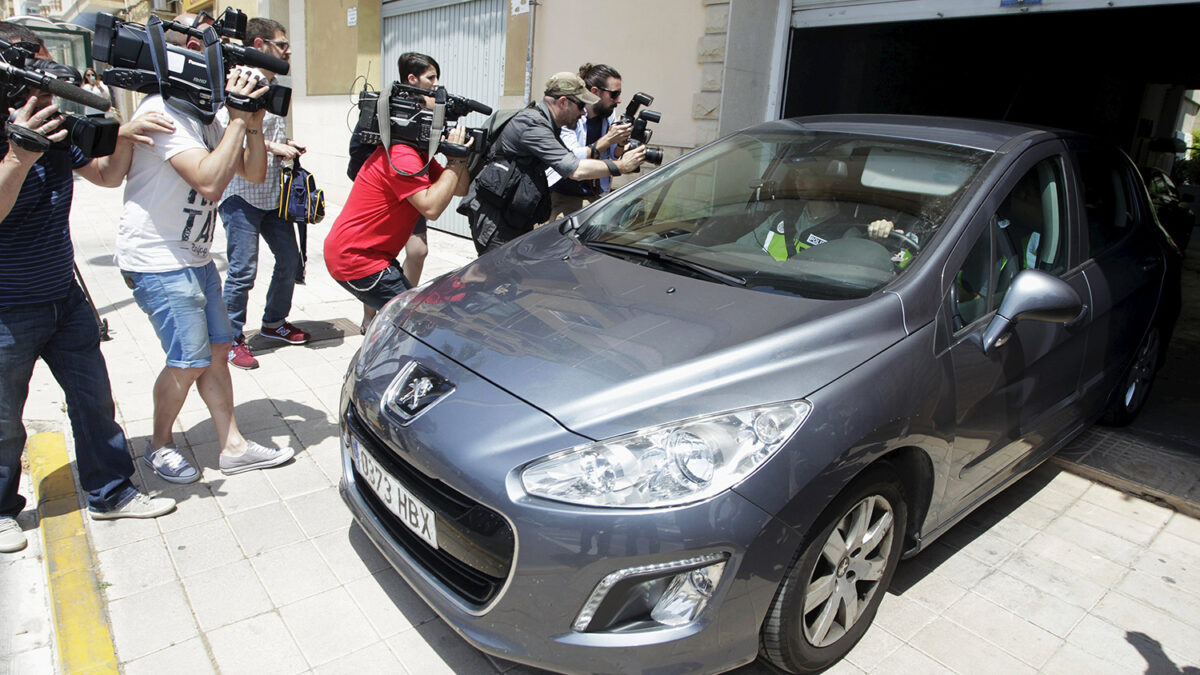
163 251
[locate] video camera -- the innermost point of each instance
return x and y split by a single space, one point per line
191 82
413 124
20 71
640 135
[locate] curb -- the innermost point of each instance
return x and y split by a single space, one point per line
81 632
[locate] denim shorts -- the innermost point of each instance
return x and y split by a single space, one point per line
187 311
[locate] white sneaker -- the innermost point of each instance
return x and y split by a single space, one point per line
255 457
140 506
12 539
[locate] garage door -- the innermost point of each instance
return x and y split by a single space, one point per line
467 40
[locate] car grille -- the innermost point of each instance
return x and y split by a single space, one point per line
475 544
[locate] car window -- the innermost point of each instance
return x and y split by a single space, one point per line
1027 231
1106 199
818 214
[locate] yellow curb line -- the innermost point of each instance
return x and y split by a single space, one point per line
81 631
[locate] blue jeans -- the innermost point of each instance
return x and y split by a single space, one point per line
243 225
64 334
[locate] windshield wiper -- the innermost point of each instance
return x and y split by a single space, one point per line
654 255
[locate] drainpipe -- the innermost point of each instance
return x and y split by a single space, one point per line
529 54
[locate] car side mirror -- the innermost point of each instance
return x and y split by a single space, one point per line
1034 296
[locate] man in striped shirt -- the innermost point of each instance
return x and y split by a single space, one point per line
43 311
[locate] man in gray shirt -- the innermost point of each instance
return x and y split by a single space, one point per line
510 194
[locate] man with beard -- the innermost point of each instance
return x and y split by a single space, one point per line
594 136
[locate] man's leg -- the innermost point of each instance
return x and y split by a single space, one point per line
242 223
101 450
23 330
280 236
216 387
416 249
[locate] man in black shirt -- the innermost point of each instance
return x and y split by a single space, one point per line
510 194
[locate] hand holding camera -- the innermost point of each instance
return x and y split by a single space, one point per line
242 91
32 130
639 135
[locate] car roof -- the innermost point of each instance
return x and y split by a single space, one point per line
971 133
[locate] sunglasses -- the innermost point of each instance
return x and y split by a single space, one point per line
283 45
615 93
581 104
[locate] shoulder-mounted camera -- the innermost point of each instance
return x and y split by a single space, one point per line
411 123
191 82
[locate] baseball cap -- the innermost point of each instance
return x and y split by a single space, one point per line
569 84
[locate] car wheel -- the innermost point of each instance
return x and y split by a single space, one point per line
1131 395
829 596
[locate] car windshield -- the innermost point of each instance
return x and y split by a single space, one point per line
816 214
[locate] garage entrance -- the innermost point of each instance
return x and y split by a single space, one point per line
1087 70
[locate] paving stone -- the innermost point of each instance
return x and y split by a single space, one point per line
874 648
1081 561
260 644
1125 526
1172 558
150 621
966 652
226 595
265 528
322 640
299 477
955 565
1133 615
434 648
350 554
903 617
185 658
376 658
907 660
1108 546
320 512
135 567
389 603
1163 594
929 589
1049 577
1010 632
293 572
1073 660
203 547
1184 527
1056 616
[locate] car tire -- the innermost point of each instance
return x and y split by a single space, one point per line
1130 396
800 641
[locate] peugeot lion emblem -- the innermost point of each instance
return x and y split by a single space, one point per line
415 389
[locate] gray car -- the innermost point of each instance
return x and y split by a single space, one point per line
703 419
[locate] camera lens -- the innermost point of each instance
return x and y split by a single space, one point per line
654 156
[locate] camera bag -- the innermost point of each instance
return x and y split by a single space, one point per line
300 201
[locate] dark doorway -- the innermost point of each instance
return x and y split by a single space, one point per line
1081 70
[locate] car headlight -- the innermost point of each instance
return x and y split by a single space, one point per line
385 324
668 465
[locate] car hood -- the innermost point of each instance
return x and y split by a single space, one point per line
606 346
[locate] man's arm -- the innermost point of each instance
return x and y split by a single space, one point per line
433 200
595 168
241 150
16 164
111 170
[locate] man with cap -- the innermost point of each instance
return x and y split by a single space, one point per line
503 204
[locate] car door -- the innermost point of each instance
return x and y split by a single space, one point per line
1124 265
1011 403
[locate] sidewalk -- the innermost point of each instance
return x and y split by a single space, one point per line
264 572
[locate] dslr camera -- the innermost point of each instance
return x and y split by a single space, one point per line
20 71
191 82
639 134
409 122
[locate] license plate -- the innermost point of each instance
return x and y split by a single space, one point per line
415 515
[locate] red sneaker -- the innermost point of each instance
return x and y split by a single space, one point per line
241 357
286 332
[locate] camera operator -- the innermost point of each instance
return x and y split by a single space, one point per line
250 210
529 144
594 136
385 205
418 70
44 313
163 250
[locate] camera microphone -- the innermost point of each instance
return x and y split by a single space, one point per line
55 86
250 56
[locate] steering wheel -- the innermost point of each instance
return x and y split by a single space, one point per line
905 241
